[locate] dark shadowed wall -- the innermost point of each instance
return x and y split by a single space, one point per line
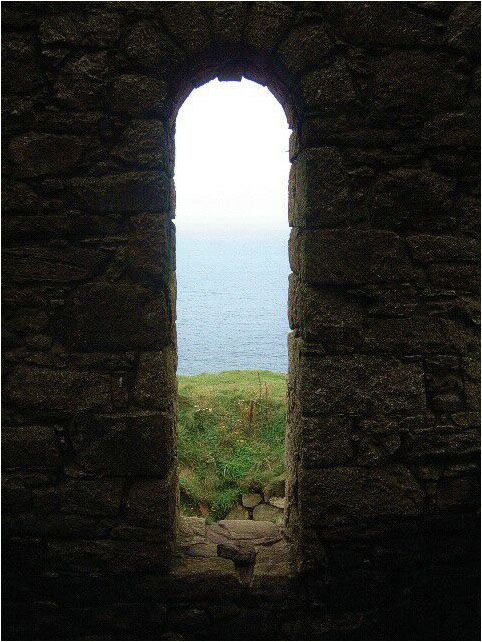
383 100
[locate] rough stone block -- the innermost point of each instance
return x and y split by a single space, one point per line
267 23
187 24
328 89
308 45
150 251
318 189
326 441
101 30
124 193
82 80
55 265
457 277
100 497
438 443
151 503
112 557
37 154
411 80
335 318
32 446
58 391
114 316
360 384
413 199
148 47
156 379
349 257
346 495
428 248
139 443
267 512
144 143
453 128
419 335
137 95
368 24
463 29
194 576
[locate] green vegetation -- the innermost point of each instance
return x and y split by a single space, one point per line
231 436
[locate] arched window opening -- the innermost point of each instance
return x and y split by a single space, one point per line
232 279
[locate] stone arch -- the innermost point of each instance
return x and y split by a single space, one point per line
383 394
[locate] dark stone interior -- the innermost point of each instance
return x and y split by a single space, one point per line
382 530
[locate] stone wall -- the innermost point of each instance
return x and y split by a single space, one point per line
383 100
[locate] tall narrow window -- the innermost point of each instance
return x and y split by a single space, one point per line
232 274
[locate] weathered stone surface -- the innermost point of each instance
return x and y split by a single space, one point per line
348 257
267 512
306 46
437 442
113 557
136 443
38 154
452 494
203 549
325 441
463 29
453 128
21 72
152 503
144 142
410 80
254 532
91 497
191 531
82 81
51 264
327 89
227 22
318 190
428 248
360 384
364 23
266 25
92 30
33 446
334 318
419 335
150 251
457 277
273 571
137 95
278 502
241 554
124 193
250 500
108 316
342 495
187 23
155 381
149 47
58 391
195 576
413 199
238 512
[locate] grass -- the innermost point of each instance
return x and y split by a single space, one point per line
231 436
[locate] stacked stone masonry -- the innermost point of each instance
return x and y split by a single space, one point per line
382 438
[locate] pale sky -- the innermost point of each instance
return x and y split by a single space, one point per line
232 161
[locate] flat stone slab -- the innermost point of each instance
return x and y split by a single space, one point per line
255 532
191 531
250 500
268 512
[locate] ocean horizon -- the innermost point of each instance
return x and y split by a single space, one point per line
232 302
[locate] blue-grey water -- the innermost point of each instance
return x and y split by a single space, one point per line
232 303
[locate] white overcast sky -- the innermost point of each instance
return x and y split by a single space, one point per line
232 161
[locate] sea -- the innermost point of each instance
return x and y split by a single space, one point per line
232 302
